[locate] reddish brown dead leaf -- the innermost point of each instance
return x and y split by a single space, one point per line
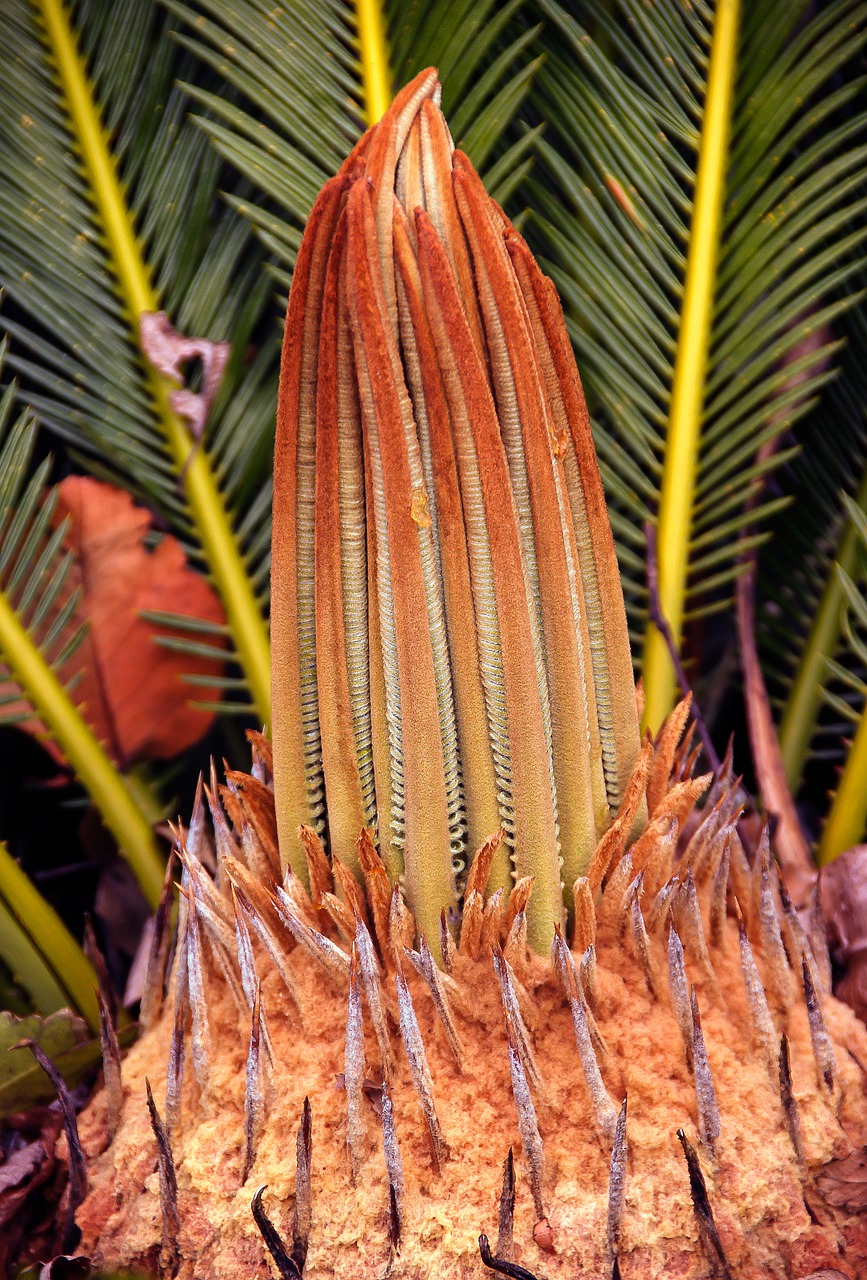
808 357
130 690
26 1169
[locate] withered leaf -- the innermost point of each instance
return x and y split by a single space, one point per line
65 1267
502 1265
28 1182
169 350
19 1168
796 864
131 690
75 1152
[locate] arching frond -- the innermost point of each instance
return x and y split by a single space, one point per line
844 825
34 563
39 949
686 342
804 596
109 211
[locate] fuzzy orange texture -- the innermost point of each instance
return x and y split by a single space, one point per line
753 1182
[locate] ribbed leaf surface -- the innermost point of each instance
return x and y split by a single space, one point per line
34 563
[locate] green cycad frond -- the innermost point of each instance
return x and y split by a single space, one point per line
300 81
34 564
486 64
109 210
805 597
39 635
302 93
844 825
814 571
684 342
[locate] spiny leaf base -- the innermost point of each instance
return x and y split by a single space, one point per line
687 988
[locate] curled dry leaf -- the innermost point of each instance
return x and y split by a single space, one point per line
843 895
843 1182
131 690
169 350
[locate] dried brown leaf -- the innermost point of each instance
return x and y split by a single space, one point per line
130 688
169 350
789 840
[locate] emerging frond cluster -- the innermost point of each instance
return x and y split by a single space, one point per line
452 671
448 633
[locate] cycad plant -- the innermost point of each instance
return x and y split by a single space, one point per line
450 660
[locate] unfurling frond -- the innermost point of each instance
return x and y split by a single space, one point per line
450 648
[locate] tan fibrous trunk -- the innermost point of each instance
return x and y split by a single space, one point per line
681 983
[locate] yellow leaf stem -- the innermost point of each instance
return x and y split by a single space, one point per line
51 939
687 393
106 785
373 51
847 818
27 965
805 695
133 277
